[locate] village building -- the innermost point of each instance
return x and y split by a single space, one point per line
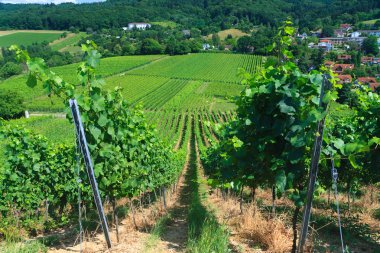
228 48
329 64
340 68
341 41
339 33
326 45
344 79
370 81
367 60
140 26
186 33
346 27
302 36
355 34
344 57
206 46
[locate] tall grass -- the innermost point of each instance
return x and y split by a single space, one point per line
29 247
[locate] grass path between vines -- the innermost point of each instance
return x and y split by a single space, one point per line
171 234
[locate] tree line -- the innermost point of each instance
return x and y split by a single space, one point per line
208 15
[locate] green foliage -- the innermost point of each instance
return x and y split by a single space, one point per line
150 46
11 105
271 140
10 69
245 44
370 45
35 172
128 157
328 31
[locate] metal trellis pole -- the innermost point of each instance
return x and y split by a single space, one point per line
314 168
334 174
89 167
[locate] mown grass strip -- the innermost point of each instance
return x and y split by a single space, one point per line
205 233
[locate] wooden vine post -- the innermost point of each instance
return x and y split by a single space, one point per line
89 167
326 85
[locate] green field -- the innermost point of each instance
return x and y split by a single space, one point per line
173 91
36 99
370 22
158 82
27 38
205 67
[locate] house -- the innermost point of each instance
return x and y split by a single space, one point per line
346 27
340 68
302 36
341 41
206 46
355 34
344 79
325 45
186 33
370 81
375 33
228 48
339 33
140 26
367 59
344 57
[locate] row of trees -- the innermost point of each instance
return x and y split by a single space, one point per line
209 18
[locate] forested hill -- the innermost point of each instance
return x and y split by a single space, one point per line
207 15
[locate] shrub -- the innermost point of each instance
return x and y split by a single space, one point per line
11 105
10 69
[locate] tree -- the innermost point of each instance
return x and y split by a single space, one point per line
215 40
150 46
245 44
377 24
10 69
370 45
328 31
11 105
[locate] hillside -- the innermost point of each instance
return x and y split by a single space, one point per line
207 15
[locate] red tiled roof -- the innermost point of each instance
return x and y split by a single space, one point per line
344 57
329 63
367 59
345 78
367 80
342 67
345 26
373 86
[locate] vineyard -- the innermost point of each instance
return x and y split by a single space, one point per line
188 158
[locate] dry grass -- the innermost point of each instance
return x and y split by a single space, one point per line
251 229
236 33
